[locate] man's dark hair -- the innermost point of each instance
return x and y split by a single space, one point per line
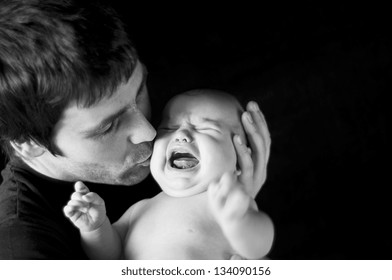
53 52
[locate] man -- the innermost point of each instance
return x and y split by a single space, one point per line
74 106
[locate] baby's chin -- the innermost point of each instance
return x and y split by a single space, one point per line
183 191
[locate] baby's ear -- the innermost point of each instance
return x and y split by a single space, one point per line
28 149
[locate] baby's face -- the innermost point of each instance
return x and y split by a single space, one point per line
194 143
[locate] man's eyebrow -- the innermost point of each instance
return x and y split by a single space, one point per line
91 132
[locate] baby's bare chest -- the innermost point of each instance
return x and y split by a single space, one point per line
183 226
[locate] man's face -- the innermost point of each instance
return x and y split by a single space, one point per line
109 142
194 144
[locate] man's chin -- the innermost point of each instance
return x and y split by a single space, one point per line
133 176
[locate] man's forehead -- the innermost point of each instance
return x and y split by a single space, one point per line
79 116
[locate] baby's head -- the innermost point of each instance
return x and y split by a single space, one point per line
194 144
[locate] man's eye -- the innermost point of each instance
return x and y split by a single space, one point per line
107 129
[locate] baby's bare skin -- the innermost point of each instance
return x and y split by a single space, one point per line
184 230
209 180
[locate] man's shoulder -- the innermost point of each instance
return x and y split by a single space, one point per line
32 225
34 239
15 172
9 189
18 194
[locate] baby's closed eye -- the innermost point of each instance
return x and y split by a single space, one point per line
208 129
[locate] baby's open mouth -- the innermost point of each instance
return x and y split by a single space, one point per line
183 160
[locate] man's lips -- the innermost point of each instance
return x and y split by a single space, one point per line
145 163
145 155
145 160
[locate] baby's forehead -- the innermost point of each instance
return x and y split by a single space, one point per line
204 107
207 99
199 108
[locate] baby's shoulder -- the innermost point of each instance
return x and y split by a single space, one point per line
139 207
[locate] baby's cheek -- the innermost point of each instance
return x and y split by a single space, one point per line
158 158
229 157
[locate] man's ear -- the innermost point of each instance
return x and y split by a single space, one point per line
28 149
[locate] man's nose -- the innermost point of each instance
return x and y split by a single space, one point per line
142 130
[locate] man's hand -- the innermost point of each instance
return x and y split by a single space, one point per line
85 209
253 161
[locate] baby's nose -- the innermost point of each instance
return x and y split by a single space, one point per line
183 136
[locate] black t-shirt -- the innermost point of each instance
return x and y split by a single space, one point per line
32 222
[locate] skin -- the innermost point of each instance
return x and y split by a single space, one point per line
118 152
119 157
209 140
214 181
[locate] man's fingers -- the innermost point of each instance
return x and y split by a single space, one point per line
80 187
260 124
259 139
245 161
254 137
257 116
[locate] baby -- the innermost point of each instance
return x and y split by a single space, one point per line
203 211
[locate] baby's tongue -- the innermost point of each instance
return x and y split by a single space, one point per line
185 162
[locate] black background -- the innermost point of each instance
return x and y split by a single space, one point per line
321 75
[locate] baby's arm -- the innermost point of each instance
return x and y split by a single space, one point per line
87 212
249 231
